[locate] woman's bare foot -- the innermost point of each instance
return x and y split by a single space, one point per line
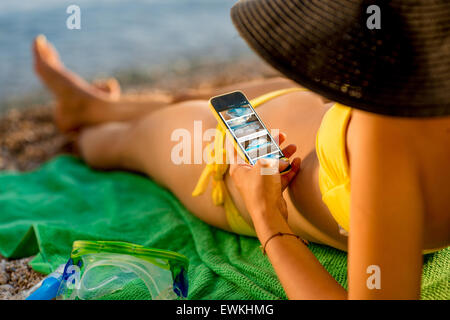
78 102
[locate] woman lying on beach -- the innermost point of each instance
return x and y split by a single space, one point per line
400 176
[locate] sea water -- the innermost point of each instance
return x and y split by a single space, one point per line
115 36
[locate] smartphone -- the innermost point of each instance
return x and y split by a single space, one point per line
251 137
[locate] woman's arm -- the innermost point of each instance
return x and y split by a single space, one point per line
300 273
387 210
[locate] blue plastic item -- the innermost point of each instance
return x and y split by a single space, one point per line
48 289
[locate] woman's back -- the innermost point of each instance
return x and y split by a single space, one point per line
424 145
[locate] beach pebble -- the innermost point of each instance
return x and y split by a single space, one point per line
16 277
3 278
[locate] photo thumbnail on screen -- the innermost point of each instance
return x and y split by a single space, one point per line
250 133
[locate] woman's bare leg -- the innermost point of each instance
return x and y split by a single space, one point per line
87 105
145 144
251 89
83 103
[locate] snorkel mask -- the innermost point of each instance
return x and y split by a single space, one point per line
113 270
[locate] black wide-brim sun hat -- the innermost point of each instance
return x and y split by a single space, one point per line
401 69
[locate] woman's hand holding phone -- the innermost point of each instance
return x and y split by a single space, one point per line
261 185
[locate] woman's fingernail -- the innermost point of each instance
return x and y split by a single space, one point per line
41 39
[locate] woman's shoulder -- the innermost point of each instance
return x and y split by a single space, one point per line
404 133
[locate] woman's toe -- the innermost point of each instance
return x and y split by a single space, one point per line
110 86
46 53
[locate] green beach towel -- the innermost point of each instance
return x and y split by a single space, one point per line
43 212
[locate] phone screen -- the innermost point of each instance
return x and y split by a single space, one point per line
246 127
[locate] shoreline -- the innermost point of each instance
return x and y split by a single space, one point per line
168 77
